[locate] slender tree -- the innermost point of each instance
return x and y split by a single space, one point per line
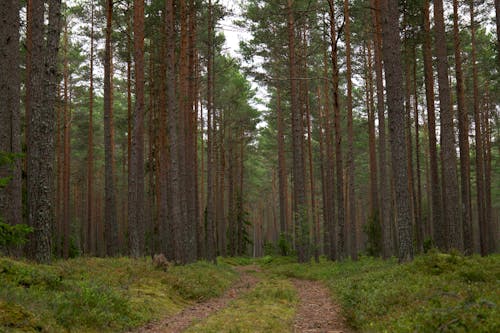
483 223
136 166
351 191
299 186
463 130
450 236
110 222
90 153
435 188
340 255
10 120
384 194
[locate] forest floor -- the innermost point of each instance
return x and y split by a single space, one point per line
435 293
314 311
198 311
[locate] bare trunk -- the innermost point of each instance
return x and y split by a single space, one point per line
463 128
110 222
351 191
90 152
483 224
385 197
10 119
136 166
396 115
299 188
435 188
41 136
341 250
452 227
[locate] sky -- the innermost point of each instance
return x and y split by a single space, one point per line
234 35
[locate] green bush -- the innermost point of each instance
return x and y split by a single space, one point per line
13 235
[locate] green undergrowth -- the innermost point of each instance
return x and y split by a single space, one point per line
269 307
435 293
100 295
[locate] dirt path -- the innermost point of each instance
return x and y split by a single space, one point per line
316 312
199 311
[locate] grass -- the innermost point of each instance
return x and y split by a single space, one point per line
270 307
435 293
100 295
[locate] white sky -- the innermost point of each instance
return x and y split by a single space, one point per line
234 35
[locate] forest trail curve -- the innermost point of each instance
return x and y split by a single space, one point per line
316 313
199 311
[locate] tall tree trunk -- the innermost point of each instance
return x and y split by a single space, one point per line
282 178
351 192
463 129
110 222
329 204
483 224
409 143
299 187
370 106
66 216
174 136
497 19
182 145
395 103
41 137
315 227
341 250
136 167
435 188
192 142
90 152
10 119
419 237
210 213
452 228
487 169
384 197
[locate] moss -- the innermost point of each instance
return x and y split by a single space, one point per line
270 307
435 292
103 294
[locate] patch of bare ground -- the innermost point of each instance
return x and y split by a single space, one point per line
316 312
201 310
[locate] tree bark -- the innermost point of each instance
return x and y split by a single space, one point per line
483 224
66 216
299 188
339 168
351 192
435 188
90 153
463 129
110 222
210 213
396 115
450 236
136 166
43 86
10 120
384 197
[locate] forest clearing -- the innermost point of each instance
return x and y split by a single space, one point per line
249 166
